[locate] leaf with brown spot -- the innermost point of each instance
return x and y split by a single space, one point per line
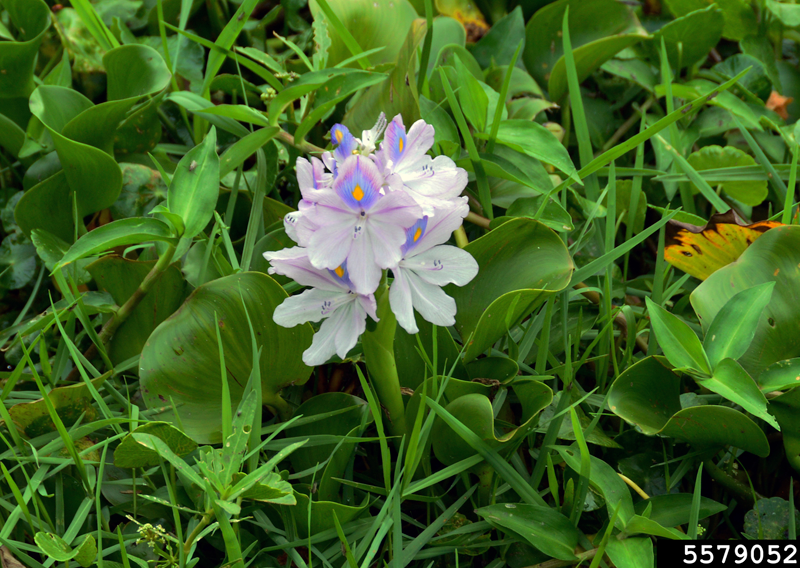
700 251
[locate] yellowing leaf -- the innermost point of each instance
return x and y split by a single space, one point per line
700 251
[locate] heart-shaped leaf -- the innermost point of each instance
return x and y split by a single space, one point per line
180 362
522 262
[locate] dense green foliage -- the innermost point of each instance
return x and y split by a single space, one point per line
623 369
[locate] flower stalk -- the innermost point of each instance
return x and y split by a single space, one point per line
379 355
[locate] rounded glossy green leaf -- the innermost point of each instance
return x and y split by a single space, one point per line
135 70
773 257
788 14
31 18
491 369
770 518
521 263
92 174
17 262
446 31
714 157
712 427
542 527
374 23
647 394
131 453
121 278
589 21
688 39
474 410
738 15
180 361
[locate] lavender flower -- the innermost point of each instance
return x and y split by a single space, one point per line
363 212
360 224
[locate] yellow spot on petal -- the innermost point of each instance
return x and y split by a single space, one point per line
400 145
339 272
358 193
417 234
339 135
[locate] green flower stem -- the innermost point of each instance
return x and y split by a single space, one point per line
379 354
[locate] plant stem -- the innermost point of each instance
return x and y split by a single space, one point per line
187 545
742 492
485 474
278 405
122 314
303 146
478 220
379 355
127 308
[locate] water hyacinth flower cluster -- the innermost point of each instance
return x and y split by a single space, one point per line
365 209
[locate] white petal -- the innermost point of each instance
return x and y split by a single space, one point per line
431 302
294 263
396 208
369 305
365 274
386 241
352 324
290 221
311 305
419 139
400 301
443 265
305 175
323 346
330 243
